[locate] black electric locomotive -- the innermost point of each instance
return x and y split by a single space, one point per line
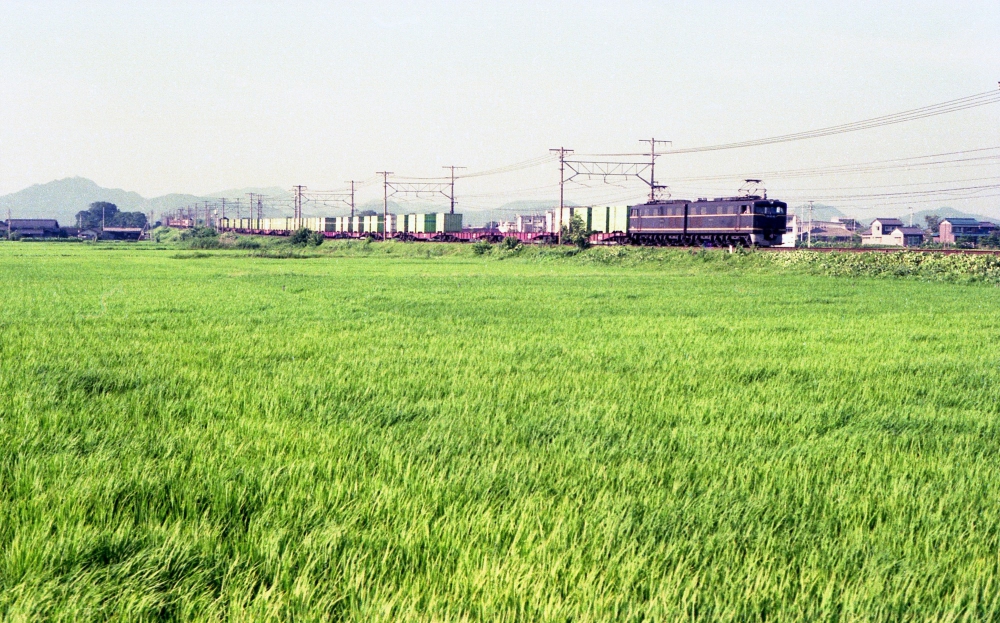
745 220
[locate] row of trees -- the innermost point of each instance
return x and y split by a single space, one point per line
102 213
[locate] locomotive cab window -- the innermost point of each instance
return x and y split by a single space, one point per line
769 210
744 209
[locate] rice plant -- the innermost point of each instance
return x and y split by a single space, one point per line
416 432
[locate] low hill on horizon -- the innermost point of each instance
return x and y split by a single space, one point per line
62 199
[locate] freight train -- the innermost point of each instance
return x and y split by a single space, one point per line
747 220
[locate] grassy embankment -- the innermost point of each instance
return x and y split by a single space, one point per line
370 437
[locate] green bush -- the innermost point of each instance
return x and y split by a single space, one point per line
577 233
306 237
510 243
482 247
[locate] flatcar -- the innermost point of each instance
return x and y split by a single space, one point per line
747 220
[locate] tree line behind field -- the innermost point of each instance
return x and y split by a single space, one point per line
103 214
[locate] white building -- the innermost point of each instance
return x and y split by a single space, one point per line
881 232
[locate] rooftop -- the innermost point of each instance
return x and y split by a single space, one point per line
965 222
889 221
34 223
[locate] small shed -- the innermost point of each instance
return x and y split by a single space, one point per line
122 233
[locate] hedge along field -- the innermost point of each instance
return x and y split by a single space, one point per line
391 436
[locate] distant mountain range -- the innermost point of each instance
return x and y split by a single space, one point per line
820 212
62 199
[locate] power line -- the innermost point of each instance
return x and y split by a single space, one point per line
963 103
930 160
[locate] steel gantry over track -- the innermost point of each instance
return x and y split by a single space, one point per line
608 169
426 187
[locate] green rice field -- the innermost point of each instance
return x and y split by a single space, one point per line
406 432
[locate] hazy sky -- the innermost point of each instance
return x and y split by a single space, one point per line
195 97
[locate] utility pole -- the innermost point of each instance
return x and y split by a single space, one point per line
103 203
223 208
562 182
352 182
452 197
298 203
810 232
385 201
652 164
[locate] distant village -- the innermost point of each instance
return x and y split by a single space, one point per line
100 221
892 232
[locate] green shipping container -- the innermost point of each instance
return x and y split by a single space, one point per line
373 224
446 222
424 223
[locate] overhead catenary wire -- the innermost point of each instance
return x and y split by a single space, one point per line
987 156
963 103
913 162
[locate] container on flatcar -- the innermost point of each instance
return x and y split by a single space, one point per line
424 223
374 224
447 222
618 219
599 219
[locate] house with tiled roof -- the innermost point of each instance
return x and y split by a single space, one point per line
881 232
952 228
32 228
907 237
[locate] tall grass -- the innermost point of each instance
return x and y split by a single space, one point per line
381 435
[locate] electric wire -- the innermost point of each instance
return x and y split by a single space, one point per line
963 103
